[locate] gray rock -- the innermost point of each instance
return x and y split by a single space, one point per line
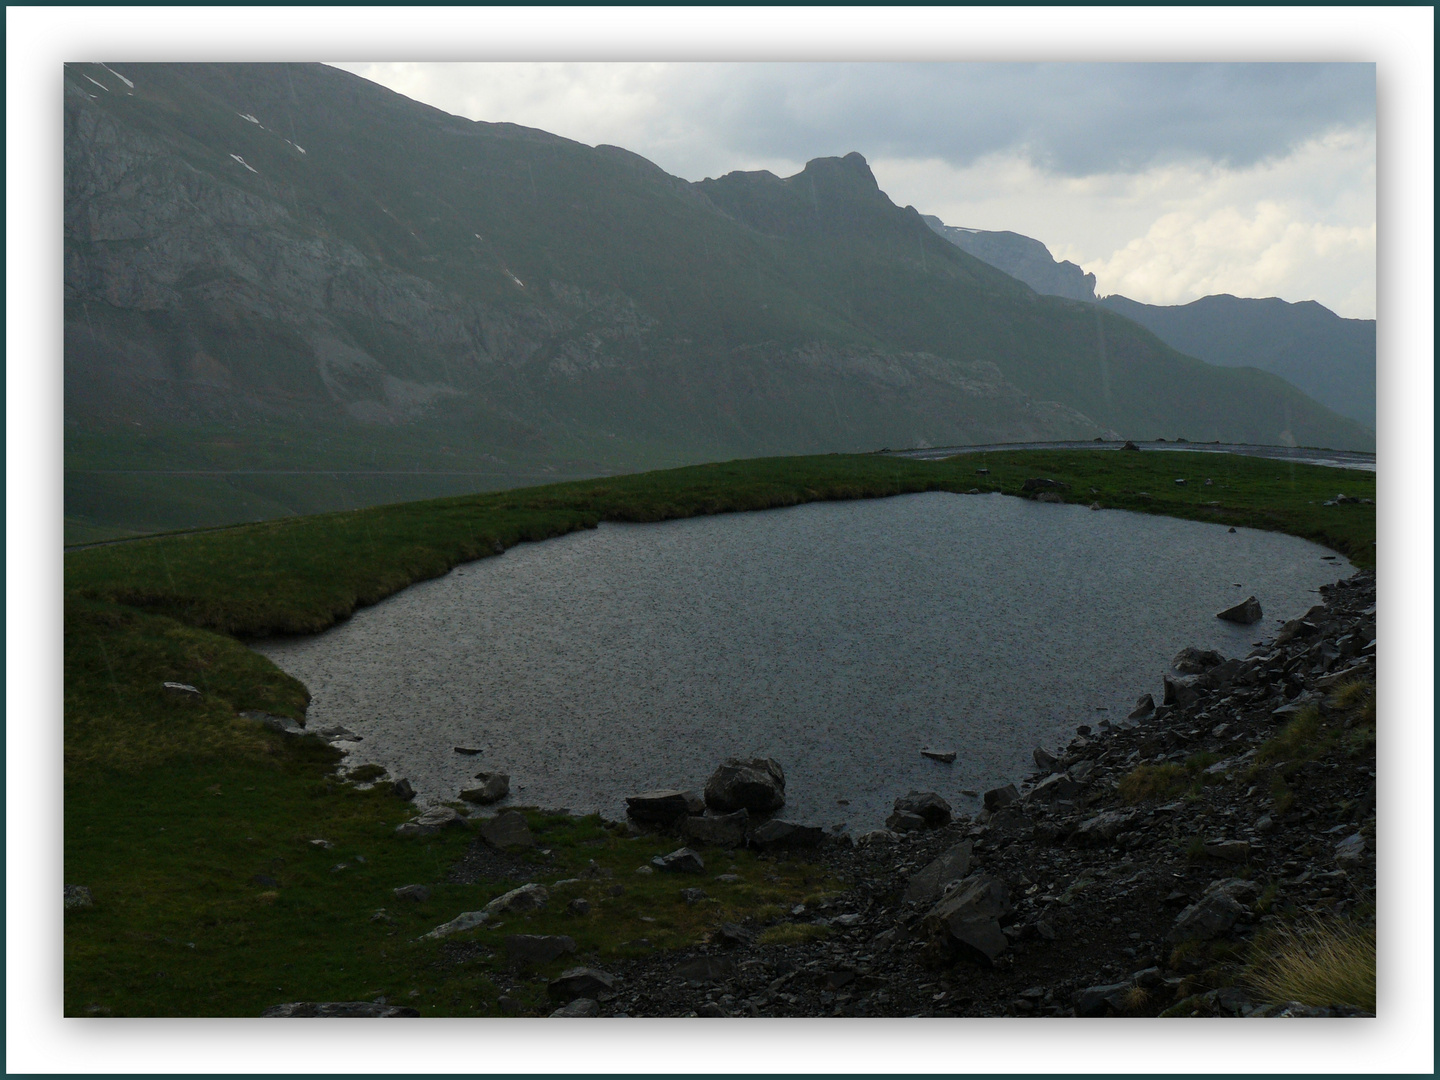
1054 787
282 724
417 893
776 835
466 920
1044 760
967 921
578 906
1246 612
930 806
1101 1000
403 789
717 830
78 896
943 756
1350 852
877 836
661 807
1221 906
1182 691
706 969
430 822
756 784
1193 661
530 897
580 982
927 885
1237 851
579 1007
693 896
468 751
182 690
734 934
507 830
903 821
1104 827
1007 824
1000 796
493 787
313 1009
524 951
680 861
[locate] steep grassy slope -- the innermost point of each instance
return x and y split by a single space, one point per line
289 247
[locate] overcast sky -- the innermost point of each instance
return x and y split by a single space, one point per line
1168 181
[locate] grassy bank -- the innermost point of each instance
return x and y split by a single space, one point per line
193 827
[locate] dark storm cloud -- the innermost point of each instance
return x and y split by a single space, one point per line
1074 119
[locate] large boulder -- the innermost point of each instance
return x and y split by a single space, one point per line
757 785
995 798
430 822
927 805
928 884
1182 691
717 830
966 923
776 835
1246 612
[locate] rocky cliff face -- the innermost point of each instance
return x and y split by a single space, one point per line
1023 258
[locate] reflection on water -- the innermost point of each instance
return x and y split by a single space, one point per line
840 638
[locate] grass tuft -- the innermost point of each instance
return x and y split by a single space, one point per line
1317 964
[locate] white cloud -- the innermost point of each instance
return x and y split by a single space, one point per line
1301 227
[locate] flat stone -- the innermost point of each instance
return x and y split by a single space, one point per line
680 861
507 830
466 920
580 982
418 893
1054 787
530 897
313 1009
944 756
734 934
182 690
430 822
523 951
582 1007
776 835
706 969
469 751
1350 852
693 896
1104 827
717 830
926 885
660 807
1246 612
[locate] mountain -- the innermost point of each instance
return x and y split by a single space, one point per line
1331 359
1022 257
289 289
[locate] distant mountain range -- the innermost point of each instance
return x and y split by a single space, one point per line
1330 358
274 271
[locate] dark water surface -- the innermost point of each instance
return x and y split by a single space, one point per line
840 638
